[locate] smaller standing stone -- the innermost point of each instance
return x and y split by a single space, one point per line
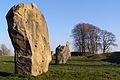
52 53
62 54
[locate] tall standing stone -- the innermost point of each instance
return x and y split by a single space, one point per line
62 54
29 35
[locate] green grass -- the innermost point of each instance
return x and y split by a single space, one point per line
7 64
100 56
76 69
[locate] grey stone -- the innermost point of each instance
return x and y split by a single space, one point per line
62 54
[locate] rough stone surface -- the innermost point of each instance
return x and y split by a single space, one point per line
29 35
62 54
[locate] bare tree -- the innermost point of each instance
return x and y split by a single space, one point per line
86 38
107 40
4 50
79 35
94 39
89 38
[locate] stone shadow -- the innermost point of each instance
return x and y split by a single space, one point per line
85 60
104 66
87 65
4 74
8 61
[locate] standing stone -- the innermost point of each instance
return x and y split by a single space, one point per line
29 35
52 53
57 54
62 54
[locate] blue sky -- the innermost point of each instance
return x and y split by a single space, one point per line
62 15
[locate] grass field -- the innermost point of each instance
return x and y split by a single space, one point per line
76 69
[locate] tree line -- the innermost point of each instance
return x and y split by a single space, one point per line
92 39
4 51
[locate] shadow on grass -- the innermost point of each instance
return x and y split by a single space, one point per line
113 58
85 60
8 61
82 60
104 66
4 74
87 65
111 61
91 66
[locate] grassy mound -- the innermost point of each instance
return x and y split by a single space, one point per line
100 56
114 57
76 69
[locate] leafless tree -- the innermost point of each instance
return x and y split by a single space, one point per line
79 35
89 38
107 40
4 50
86 38
94 39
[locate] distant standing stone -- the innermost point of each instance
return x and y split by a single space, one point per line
29 35
52 53
62 54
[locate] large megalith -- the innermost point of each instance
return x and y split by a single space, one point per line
62 54
29 35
